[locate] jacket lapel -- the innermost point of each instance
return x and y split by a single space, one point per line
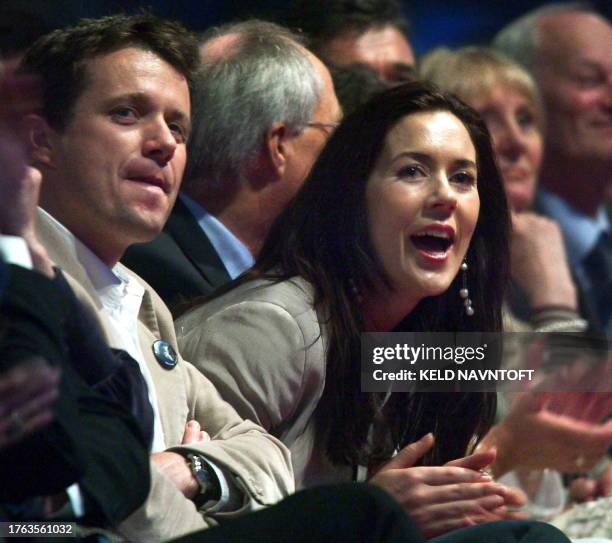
196 246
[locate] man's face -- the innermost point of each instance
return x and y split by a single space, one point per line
308 144
384 49
117 166
574 72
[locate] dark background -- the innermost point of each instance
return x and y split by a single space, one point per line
433 22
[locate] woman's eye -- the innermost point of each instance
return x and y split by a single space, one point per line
465 178
410 172
525 119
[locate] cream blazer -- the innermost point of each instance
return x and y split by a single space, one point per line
264 348
259 463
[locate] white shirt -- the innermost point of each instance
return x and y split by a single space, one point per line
121 297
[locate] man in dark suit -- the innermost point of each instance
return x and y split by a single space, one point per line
263 110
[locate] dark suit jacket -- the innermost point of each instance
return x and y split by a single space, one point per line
587 298
92 440
181 263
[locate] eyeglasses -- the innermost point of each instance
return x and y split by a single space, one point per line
327 127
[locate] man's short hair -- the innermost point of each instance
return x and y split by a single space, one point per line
60 58
519 40
264 76
323 21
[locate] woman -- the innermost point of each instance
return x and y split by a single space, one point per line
405 191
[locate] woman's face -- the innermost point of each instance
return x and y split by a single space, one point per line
422 202
512 119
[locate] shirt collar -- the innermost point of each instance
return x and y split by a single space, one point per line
580 231
103 278
233 253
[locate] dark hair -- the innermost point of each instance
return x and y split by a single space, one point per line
323 237
322 21
355 84
60 58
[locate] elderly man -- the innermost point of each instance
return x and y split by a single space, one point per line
264 108
370 32
567 49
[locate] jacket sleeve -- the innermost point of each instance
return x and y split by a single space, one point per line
266 362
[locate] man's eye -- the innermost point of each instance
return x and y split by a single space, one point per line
588 80
124 114
180 133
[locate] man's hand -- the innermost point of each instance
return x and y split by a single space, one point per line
176 467
539 262
19 182
194 433
27 393
441 499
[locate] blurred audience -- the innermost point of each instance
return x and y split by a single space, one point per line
370 32
264 107
355 84
566 49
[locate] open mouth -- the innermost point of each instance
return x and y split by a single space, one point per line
432 242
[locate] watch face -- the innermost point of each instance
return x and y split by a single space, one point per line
210 489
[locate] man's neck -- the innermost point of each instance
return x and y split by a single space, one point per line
582 184
246 216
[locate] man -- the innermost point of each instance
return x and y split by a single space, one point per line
263 110
567 49
46 408
370 32
110 143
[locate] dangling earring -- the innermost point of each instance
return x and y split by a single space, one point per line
355 291
463 292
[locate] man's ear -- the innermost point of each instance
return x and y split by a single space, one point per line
39 138
277 148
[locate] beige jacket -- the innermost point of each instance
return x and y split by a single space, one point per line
259 463
264 348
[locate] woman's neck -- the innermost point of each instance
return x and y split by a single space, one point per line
384 309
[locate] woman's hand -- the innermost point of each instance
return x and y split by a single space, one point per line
539 263
586 490
536 434
445 498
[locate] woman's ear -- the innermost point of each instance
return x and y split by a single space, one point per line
39 139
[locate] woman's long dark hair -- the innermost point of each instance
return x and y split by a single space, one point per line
322 236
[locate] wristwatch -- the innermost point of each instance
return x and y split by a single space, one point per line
210 489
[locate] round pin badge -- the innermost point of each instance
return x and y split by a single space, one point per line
165 354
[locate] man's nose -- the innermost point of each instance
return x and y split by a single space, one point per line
159 143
